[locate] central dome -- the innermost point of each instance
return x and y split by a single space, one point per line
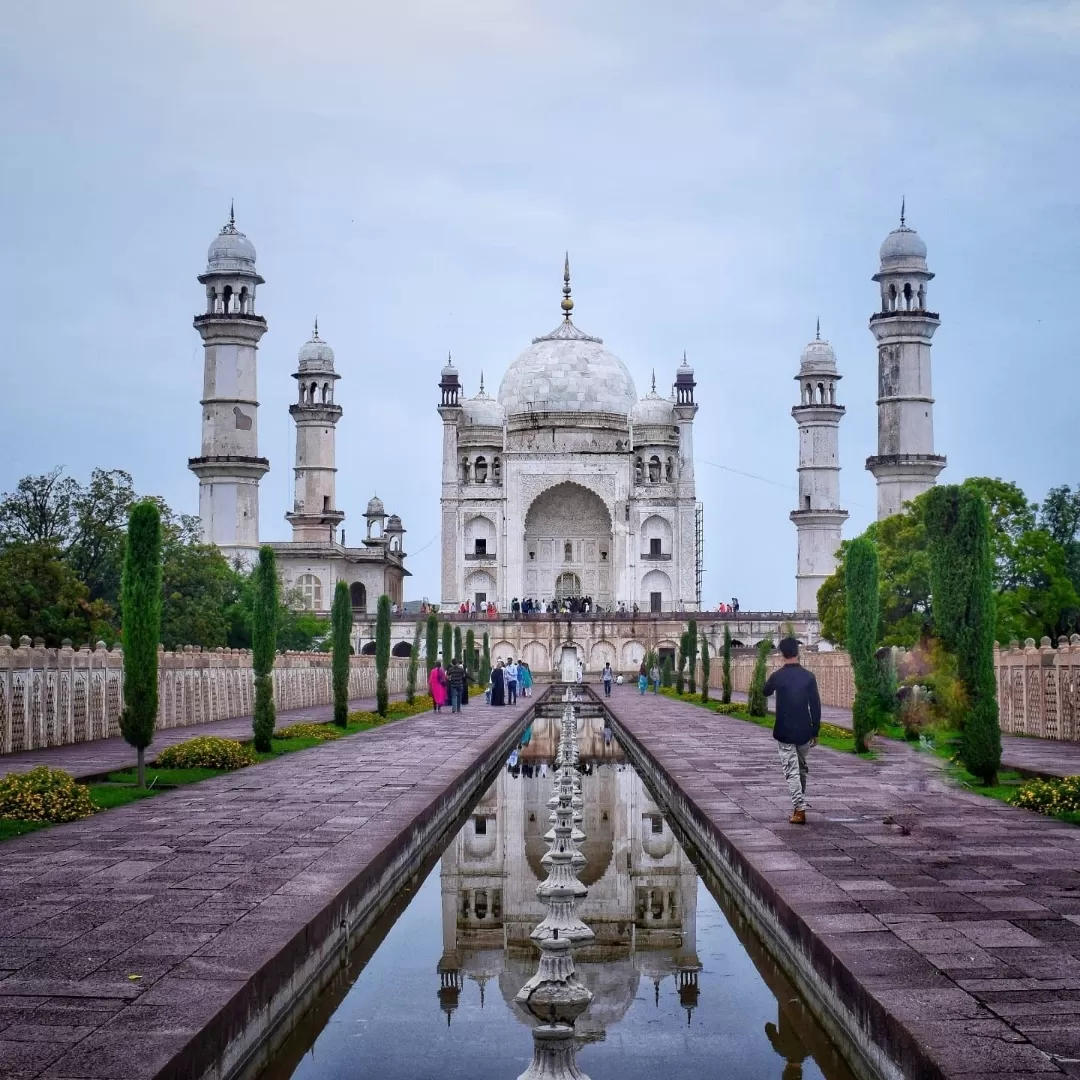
567 371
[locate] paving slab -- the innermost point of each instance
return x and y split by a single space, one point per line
100 756
951 918
135 941
1025 753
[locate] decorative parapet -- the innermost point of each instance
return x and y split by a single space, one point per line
836 683
49 697
1039 688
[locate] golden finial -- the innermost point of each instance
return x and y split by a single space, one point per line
567 303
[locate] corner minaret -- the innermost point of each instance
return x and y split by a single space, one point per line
315 515
819 518
451 412
905 464
229 467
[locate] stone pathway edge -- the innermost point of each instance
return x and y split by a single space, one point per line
846 1009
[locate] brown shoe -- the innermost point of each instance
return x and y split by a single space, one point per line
798 817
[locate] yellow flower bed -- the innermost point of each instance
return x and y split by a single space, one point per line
207 752
1050 797
44 794
309 731
398 710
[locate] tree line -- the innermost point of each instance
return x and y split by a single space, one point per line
62 546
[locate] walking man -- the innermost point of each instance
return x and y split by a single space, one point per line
510 673
798 720
456 678
607 675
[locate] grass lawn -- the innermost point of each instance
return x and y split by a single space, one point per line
118 788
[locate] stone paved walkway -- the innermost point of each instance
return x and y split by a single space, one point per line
208 893
107 755
1041 757
954 916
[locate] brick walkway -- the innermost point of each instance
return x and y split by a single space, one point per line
106 755
1040 757
214 894
943 915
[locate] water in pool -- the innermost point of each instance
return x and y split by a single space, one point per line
681 987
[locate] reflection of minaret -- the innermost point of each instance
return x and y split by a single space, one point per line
450 984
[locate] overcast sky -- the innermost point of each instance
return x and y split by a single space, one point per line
721 172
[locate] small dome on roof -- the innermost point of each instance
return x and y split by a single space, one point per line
316 354
375 508
653 410
231 250
818 356
448 368
393 524
483 410
902 244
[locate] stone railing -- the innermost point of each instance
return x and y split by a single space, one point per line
49 697
836 685
1039 688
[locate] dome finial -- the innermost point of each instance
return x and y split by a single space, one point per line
315 332
481 380
903 207
817 332
654 380
567 304
232 212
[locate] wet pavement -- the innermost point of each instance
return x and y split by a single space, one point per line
951 919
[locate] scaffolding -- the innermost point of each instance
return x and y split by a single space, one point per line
699 550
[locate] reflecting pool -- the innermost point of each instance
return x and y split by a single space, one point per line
680 985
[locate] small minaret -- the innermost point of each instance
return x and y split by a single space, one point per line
905 464
819 518
229 467
451 412
315 515
685 410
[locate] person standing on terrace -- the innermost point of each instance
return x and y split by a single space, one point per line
798 721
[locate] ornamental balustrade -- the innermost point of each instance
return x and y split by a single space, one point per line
1039 688
49 697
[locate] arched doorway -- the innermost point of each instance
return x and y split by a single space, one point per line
368 649
358 596
568 545
402 648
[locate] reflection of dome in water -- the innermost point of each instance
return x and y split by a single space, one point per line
480 845
656 844
613 983
598 826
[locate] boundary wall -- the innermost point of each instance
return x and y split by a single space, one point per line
50 697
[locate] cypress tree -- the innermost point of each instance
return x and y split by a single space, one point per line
485 663
863 620
414 663
470 651
447 643
341 630
725 695
431 645
666 674
757 705
458 651
382 655
692 654
962 595
704 668
264 623
680 671
140 599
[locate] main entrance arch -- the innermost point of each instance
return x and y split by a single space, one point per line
568 545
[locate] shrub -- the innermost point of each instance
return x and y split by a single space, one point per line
727 708
680 670
382 655
322 732
485 663
863 621
431 645
470 652
341 621
44 794
1050 797
704 668
207 752
725 696
414 664
756 704
692 655
264 621
447 644
666 674
459 648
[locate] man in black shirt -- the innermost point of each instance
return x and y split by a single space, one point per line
798 720
456 676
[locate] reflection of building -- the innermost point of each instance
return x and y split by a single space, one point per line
566 484
642 902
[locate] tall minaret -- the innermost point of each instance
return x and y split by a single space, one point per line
229 467
451 412
315 515
819 518
905 464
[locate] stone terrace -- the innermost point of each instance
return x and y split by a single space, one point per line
213 895
950 919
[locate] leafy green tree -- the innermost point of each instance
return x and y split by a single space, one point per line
667 674
863 622
680 670
414 663
341 620
756 703
1059 516
725 694
704 668
961 562
485 663
447 644
470 651
692 655
382 655
264 626
199 589
459 650
141 606
432 644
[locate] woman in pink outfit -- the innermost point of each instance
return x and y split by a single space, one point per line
437 685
